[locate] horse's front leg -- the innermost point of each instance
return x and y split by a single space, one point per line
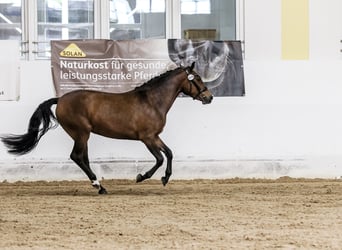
159 161
168 170
155 148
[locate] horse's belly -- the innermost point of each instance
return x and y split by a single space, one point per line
127 127
115 129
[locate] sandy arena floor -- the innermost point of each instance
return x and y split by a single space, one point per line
200 214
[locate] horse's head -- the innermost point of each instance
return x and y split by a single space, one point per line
211 57
195 87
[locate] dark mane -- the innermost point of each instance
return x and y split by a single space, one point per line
158 79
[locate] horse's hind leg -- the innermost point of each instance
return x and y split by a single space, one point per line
79 155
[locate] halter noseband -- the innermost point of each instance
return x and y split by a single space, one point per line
191 79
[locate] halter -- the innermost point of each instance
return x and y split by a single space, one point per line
191 79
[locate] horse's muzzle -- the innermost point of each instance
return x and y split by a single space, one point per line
207 99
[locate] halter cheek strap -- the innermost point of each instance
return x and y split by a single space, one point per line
191 79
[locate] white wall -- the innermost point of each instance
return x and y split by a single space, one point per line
262 29
288 123
326 29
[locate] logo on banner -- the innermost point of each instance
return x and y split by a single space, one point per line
72 51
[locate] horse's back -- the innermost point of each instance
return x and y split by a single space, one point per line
76 103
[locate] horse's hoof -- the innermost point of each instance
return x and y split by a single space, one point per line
164 180
103 191
139 178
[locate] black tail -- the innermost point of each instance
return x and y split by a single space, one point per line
22 144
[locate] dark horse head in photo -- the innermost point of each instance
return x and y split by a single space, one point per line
139 114
218 62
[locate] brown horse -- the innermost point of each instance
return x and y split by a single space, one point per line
139 114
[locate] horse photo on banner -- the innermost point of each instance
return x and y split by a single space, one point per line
120 66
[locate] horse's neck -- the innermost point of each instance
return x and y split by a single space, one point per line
163 96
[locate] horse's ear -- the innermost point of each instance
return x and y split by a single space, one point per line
192 66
